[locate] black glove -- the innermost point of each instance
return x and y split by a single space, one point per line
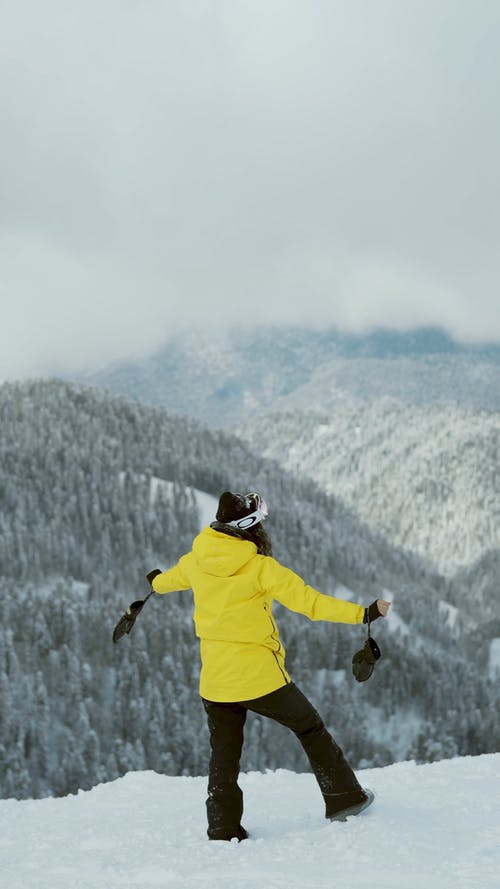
364 661
371 613
152 574
127 620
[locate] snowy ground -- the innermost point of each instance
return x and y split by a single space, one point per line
432 827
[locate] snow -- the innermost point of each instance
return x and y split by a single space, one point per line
330 677
207 507
432 826
494 665
344 593
396 623
449 612
159 484
43 591
206 503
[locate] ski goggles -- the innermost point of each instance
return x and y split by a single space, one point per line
260 512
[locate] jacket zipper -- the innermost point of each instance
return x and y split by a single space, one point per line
276 639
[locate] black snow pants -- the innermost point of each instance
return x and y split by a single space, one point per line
291 708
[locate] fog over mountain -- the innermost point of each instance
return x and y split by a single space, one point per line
402 427
225 379
199 164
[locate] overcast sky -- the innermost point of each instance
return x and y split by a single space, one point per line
168 163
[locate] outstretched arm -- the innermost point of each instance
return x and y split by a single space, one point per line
290 590
176 578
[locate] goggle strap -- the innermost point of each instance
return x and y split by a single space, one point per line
242 524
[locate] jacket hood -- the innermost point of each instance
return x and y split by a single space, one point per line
221 555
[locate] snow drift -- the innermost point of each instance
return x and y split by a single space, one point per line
433 826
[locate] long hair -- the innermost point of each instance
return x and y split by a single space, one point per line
257 535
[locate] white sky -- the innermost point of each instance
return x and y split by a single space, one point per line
165 163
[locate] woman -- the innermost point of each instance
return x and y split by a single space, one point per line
234 579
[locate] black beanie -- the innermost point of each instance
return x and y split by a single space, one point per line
233 506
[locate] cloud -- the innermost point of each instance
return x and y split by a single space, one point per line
212 162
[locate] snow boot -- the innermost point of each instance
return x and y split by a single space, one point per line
339 806
241 834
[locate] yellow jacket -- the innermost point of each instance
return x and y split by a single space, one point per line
241 652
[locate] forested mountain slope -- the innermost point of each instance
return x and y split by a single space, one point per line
428 478
83 518
224 379
464 380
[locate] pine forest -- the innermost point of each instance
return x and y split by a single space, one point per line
97 490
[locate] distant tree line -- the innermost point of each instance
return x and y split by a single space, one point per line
427 477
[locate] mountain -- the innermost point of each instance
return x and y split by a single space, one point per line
430 825
466 381
428 477
95 491
401 426
227 379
